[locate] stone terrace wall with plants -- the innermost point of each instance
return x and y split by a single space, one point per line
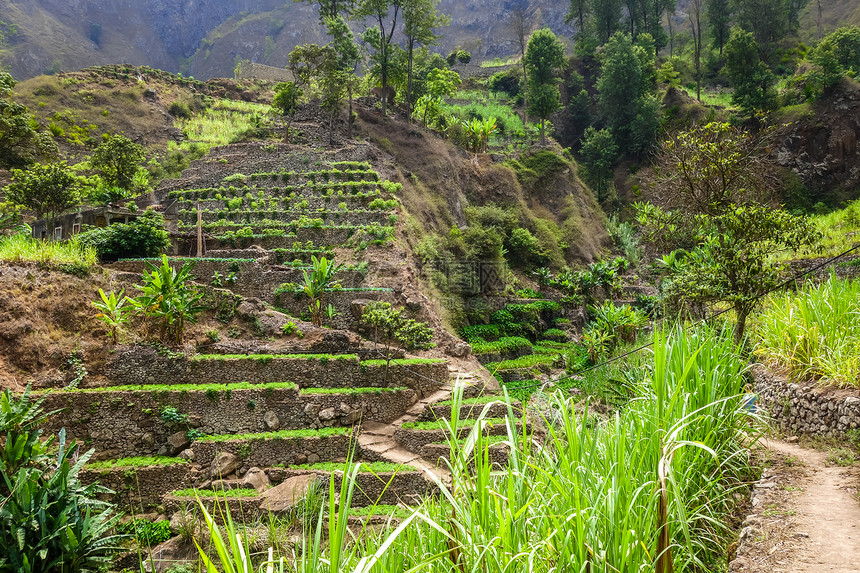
806 408
252 278
140 486
140 365
273 450
127 423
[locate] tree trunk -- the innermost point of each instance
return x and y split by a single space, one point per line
349 122
409 82
542 132
742 313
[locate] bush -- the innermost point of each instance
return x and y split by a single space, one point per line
507 82
526 248
48 516
179 110
142 238
147 533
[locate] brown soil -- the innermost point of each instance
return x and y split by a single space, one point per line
806 515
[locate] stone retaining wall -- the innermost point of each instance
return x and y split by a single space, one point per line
274 451
252 279
140 487
342 301
141 365
414 440
125 423
329 217
387 488
805 408
443 412
242 510
440 454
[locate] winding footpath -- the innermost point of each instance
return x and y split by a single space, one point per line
806 516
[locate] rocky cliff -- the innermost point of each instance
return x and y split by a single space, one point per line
207 37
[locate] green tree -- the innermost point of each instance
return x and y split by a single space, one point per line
47 190
22 141
440 83
347 56
49 520
718 15
598 153
286 104
716 179
626 75
379 38
331 9
118 159
421 18
606 18
543 60
393 328
750 77
695 13
579 105
578 12
767 20
837 54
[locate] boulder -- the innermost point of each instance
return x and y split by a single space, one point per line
177 442
327 414
273 423
257 479
286 495
224 464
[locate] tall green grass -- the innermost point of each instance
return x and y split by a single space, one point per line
814 332
20 248
219 125
650 488
839 230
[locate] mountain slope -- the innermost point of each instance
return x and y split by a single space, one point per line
207 37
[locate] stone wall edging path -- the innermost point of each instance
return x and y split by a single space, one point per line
805 408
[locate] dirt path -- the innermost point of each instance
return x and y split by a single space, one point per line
806 515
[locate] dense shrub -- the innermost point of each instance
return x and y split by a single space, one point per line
49 521
507 82
141 238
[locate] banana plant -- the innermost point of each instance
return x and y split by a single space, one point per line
113 311
317 283
168 298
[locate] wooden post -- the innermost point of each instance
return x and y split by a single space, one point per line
199 232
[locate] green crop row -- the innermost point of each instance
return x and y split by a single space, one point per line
268 357
529 361
207 388
403 362
503 345
306 391
136 462
442 424
375 467
281 435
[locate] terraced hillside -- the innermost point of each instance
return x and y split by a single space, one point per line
283 400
